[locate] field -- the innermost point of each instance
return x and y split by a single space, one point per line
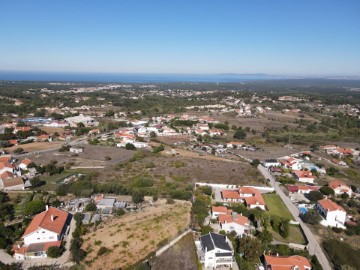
276 206
295 236
181 256
36 146
130 238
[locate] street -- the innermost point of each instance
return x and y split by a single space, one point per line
313 245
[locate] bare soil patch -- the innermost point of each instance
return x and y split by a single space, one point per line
36 146
132 237
181 256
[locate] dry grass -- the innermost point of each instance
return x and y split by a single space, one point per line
133 236
36 146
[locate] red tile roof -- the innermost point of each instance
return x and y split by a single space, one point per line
44 220
26 161
329 205
11 182
221 209
230 194
287 263
337 183
303 174
226 218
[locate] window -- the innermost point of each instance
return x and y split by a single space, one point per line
38 239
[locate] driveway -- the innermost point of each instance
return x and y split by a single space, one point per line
313 245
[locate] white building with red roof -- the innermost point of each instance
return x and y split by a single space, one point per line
237 223
46 229
24 163
248 195
304 176
218 210
333 213
294 262
340 187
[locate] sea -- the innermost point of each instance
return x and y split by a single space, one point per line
130 77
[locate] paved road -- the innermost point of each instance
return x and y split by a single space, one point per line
6 258
313 245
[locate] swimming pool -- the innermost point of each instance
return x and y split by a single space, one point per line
303 210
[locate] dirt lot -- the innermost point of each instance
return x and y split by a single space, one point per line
182 256
93 155
132 237
36 146
52 130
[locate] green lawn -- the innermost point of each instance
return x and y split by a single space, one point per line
50 181
295 235
276 206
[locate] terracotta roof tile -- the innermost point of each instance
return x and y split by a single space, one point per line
44 220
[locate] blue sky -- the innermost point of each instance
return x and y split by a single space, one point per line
275 37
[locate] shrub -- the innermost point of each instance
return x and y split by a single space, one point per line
55 252
91 207
130 146
158 149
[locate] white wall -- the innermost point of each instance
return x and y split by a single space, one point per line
41 236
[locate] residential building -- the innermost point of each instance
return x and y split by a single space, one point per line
217 210
106 205
24 164
333 213
291 163
304 176
248 195
46 229
76 150
16 183
340 188
216 251
294 262
237 223
271 163
303 189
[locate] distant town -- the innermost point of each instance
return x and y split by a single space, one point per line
180 175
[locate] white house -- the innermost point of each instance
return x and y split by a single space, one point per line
215 251
304 176
271 163
46 229
239 224
137 144
340 187
76 150
24 164
291 163
333 213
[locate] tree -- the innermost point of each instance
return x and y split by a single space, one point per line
119 212
55 252
345 196
326 190
137 197
265 237
314 196
34 207
36 182
158 149
91 207
311 217
18 150
153 134
130 146
255 163
240 134
250 247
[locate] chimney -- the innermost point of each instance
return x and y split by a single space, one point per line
18 246
277 254
47 207
52 217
